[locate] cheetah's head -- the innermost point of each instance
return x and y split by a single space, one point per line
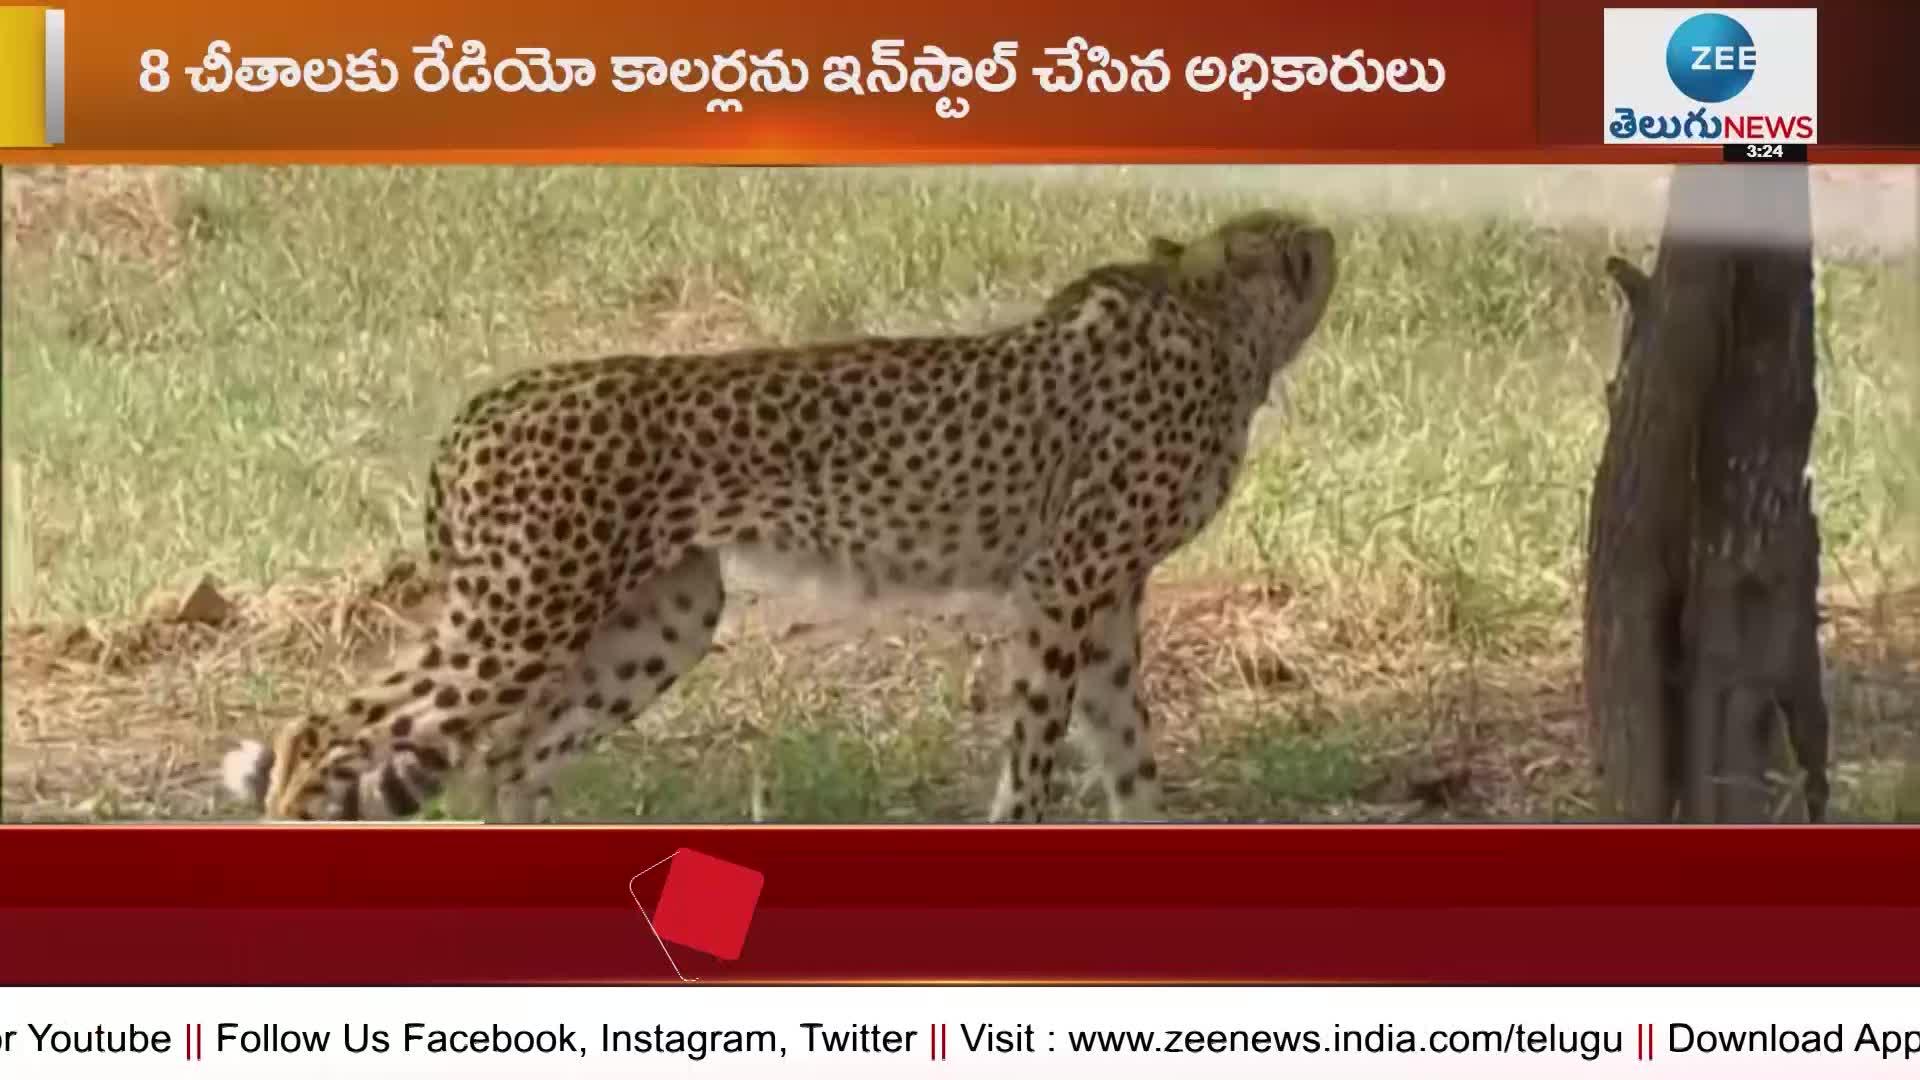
289 779
1268 274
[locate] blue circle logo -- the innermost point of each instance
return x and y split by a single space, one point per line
1711 58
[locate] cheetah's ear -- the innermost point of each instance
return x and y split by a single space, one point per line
1633 282
1203 258
1307 257
246 770
1162 250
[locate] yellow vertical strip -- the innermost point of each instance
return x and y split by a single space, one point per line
23 76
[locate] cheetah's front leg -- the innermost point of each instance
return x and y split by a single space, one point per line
1110 719
1040 705
1044 658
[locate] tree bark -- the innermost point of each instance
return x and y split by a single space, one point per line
1702 549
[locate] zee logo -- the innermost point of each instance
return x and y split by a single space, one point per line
1711 58
1695 77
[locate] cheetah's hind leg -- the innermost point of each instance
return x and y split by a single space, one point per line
659 630
494 657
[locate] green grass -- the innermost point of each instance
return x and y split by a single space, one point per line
242 372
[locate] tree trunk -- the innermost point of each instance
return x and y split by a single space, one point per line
1702 547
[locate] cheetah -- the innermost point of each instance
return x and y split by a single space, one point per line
578 513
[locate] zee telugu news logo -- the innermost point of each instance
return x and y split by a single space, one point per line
1710 60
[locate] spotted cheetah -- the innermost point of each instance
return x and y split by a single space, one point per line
579 511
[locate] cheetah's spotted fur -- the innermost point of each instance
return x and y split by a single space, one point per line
578 513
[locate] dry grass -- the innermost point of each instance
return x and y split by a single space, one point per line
105 212
1266 712
126 719
1380 627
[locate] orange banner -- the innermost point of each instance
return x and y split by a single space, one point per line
772 82
781 82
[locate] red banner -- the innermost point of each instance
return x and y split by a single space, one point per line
1566 905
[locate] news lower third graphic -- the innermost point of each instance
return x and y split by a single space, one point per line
1747 76
706 904
33 76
